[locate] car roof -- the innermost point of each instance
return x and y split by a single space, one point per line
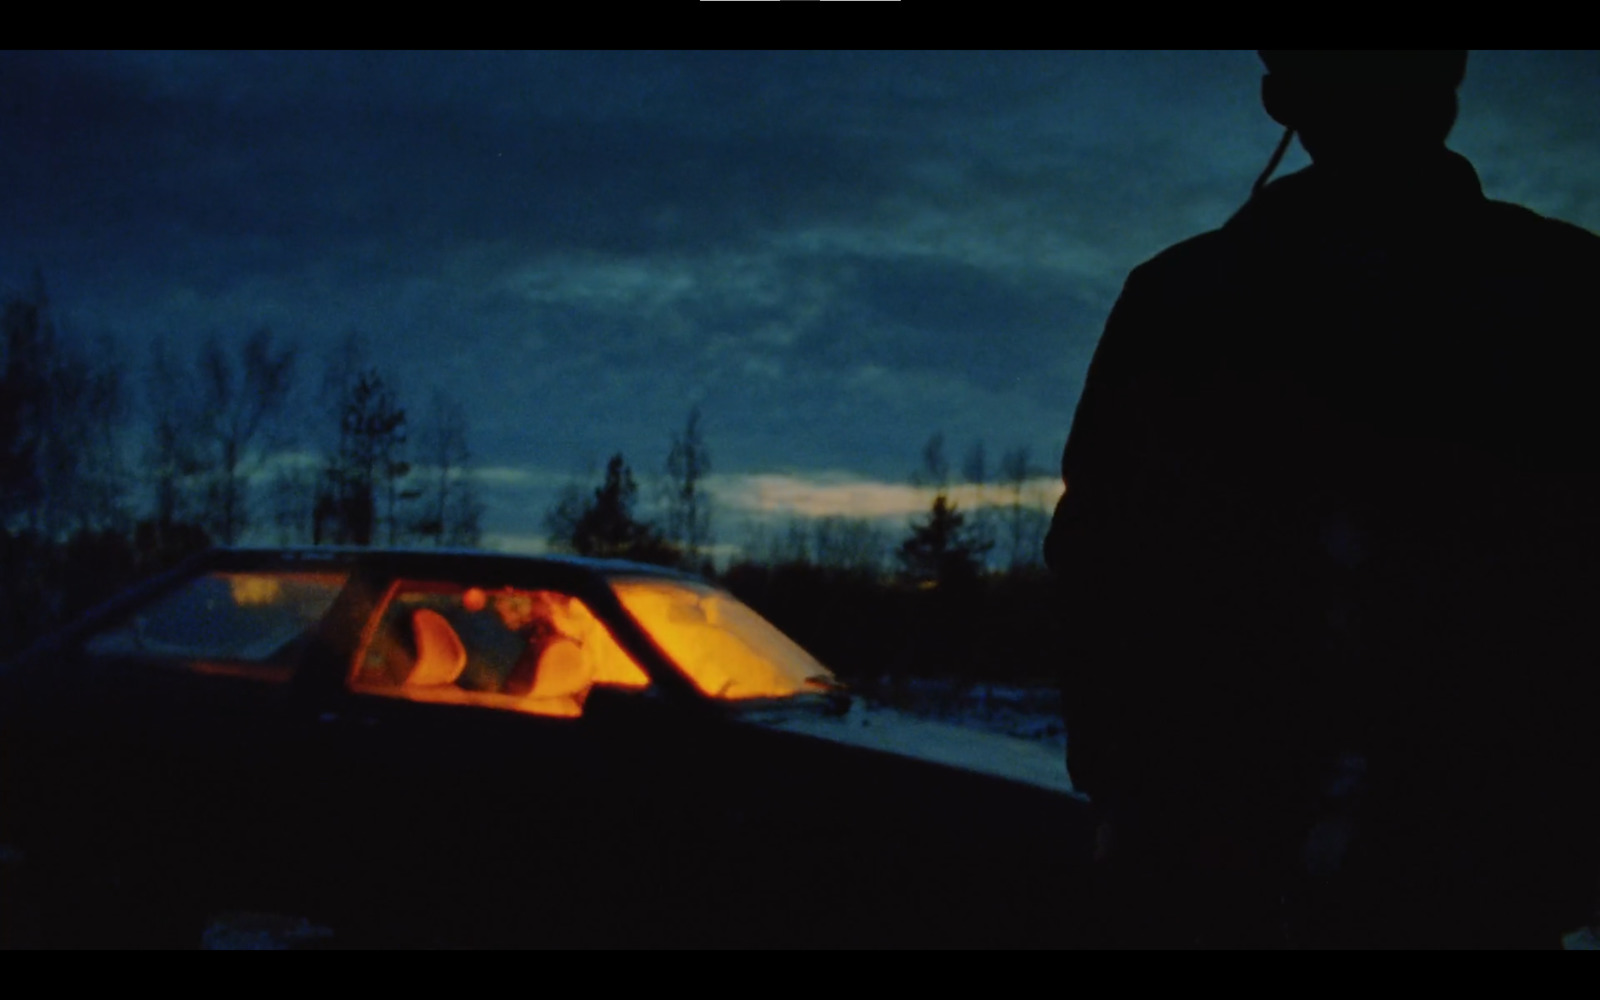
405 561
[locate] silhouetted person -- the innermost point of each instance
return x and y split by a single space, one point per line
1329 546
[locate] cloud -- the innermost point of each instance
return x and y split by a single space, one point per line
834 253
1526 123
841 494
518 544
289 461
514 476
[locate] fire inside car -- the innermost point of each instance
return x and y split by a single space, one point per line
535 651
542 651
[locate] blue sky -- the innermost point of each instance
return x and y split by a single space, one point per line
833 254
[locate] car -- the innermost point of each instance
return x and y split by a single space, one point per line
441 748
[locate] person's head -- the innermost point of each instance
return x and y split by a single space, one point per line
1364 105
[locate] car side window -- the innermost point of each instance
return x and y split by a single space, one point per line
250 624
534 651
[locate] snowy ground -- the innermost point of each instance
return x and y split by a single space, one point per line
1029 713
261 932
1009 732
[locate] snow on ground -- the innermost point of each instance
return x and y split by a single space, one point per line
1010 732
261 932
1027 713
1582 939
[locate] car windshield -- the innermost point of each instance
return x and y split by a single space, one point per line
724 647
247 617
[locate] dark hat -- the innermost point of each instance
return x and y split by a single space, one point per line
1385 68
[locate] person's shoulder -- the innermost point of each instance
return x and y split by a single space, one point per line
1201 251
1213 259
1525 231
1549 266
1199 266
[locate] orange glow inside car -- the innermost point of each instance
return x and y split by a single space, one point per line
253 590
727 649
533 651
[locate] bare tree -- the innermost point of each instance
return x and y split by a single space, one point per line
393 468
368 465
24 396
851 544
561 519
791 546
688 506
172 452
975 466
975 473
292 496
1025 522
464 516
935 470
451 510
242 395
99 405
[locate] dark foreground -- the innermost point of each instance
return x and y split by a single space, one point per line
896 858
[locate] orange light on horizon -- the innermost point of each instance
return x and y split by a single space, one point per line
782 493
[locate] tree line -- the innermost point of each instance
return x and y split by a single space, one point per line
605 522
960 594
1004 533
111 469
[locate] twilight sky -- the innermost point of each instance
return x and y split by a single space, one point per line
834 254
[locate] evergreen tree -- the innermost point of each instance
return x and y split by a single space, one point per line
942 549
63 410
605 526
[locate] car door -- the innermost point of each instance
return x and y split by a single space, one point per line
152 734
820 837
464 791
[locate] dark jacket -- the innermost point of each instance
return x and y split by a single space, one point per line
1332 485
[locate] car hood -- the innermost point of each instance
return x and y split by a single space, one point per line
889 730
